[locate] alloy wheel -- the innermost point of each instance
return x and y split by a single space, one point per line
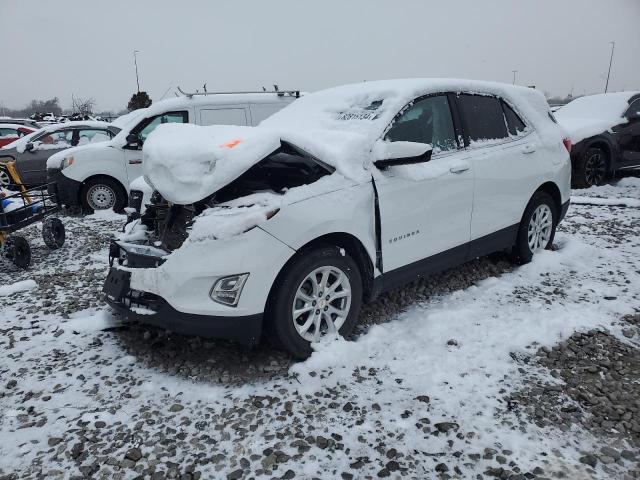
101 197
595 169
5 180
321 303
540 227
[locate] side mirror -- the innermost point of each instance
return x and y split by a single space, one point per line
133 140
633 115
29 147
389 154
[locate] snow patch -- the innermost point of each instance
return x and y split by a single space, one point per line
22 286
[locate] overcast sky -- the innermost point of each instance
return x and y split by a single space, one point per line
81 47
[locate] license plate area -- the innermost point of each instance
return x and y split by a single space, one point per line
117 284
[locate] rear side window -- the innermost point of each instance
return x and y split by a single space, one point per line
223 116
484 117
514 122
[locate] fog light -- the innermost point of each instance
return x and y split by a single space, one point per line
227 290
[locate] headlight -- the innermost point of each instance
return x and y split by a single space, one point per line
67 162
227 290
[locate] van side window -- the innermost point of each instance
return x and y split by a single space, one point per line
426 121
148 125
484 117
260 112
514 123
223 116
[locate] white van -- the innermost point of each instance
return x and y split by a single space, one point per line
97 176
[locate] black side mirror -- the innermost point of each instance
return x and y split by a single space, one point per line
633 115
133 140
390 154
29 147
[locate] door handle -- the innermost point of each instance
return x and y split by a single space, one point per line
135 161
528 148
460 167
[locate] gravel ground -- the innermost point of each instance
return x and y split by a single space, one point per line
219 410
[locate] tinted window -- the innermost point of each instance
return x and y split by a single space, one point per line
634 108
483 116
426 121
514 123
150 124
223 116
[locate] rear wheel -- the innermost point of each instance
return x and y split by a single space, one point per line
591 169
537 228
319 294
53 233
5 179
17 250
102 194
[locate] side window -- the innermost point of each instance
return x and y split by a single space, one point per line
426 121
92 136
148 125
59 139
260 112
634 109
514 123
484 117
8 133
223 116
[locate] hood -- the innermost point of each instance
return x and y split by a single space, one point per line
54 160
186 162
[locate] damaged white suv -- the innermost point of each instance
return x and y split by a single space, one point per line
289 226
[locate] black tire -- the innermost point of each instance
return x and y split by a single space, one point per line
591 169
522 252
53 233
102 193
17 250
5 178
279 318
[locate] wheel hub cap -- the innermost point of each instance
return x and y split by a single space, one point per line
540 228
4 179
321 303
595 169
101 197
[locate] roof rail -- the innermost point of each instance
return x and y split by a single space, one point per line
276 90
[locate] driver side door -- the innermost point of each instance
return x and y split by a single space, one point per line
133 154
32 164
425 209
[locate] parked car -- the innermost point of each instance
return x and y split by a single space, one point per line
605 132
347 192
32 151
97 177
10 132
20 121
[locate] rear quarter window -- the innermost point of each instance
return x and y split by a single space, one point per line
515 125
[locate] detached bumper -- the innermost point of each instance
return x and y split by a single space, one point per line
68 190
149 308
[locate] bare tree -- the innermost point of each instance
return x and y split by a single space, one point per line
83 106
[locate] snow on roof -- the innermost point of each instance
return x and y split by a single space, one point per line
20 144
591 115
15 126
186 163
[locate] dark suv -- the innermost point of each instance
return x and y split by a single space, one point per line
605 131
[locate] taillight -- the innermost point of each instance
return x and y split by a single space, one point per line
567 144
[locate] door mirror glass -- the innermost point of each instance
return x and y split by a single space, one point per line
388 154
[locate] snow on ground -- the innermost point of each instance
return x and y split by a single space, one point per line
419 395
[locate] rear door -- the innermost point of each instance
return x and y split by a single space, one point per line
504 156
32 165
425 209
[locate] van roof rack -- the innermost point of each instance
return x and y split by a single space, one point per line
276 90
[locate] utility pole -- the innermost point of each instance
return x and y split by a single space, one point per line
514 76
613 46
135 61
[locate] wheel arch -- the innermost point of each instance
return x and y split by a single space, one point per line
604 145
552 189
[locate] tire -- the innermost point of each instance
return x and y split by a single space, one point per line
591 169
540 204
53 233
101 194
295 282
5 178
17 250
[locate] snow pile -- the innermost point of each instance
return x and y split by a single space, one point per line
187 163
587 116
22 286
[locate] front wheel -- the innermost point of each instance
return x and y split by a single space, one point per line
537 228
319 294
102 194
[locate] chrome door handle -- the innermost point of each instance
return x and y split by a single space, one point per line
528 149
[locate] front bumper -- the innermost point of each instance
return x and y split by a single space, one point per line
68 190
153 310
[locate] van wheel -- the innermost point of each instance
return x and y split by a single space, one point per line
102 194
537 228
591 169
319 294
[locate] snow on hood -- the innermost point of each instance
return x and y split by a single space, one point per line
591 115
186 163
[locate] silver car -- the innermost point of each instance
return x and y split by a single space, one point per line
32 151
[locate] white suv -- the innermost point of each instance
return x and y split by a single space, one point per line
288 227
97 176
